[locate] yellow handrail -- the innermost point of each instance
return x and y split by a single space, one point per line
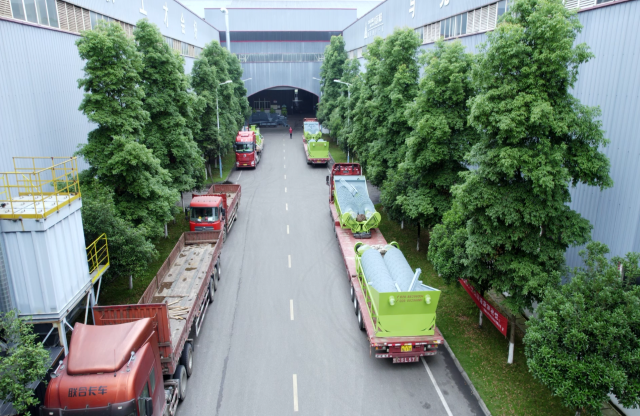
98 257
38 187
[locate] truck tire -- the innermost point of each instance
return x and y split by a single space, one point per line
210 291
224 236
360 320
353 293
186 359
181 376
355 305
219 269
215 283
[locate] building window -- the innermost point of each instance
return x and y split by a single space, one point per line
420 34
42 12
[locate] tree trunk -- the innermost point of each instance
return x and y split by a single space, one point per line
418 245
130 282
512 340
166 231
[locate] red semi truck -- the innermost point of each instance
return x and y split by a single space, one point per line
400 349
135 360
247 155
216 210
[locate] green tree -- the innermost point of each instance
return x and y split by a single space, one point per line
209 71
536 140
340 120
389 84
129 250
239 89
168 103
420 190
23 360
584 343
332 68
113 100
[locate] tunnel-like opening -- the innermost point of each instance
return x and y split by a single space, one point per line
297 100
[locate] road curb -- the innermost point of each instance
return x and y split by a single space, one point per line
467 380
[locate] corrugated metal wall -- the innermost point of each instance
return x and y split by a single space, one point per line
278 47
39 94
611 80
49 268
268 19
291 74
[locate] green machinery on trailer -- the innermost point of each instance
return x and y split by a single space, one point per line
355 209
316 146
399 303
259 139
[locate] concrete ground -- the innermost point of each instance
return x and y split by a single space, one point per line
281 336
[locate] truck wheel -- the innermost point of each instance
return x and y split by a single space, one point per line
224 236
360 321
181 376
211 290
355 304
353 293
186 359
219 269
215 283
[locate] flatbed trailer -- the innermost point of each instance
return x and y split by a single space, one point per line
176 301
403 349
311 160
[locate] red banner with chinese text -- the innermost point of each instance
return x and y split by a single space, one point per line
499 320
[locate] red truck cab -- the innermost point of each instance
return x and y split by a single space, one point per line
206 213
110 370
246 151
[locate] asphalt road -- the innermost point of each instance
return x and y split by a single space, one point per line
281 336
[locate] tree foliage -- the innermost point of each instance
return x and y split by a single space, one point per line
584 343
340 120
420 189
210 70
332 68
117 157
511 214
23 360
168 102
380 126
240 91
129 250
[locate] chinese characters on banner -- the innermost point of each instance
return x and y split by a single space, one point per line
500 321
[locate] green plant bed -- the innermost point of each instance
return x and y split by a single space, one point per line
336 152
506 389
228 162
116 292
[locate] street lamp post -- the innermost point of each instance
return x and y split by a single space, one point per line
226 21
349 112
218 121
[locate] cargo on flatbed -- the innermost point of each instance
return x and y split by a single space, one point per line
401 349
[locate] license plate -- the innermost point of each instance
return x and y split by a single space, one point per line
405 359
406 348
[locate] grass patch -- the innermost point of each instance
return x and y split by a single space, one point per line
336 152
228 161
506 389
116 292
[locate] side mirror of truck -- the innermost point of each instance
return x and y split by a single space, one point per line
327 180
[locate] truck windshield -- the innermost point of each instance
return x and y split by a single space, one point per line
244 147
204 214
